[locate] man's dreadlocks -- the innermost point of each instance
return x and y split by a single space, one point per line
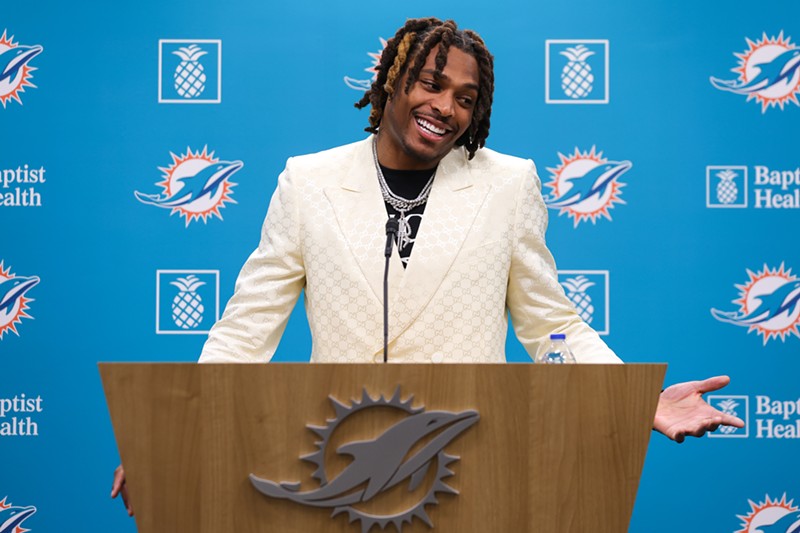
408 50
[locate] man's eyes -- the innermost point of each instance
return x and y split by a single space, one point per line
433 86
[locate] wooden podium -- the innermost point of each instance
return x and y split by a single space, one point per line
555 449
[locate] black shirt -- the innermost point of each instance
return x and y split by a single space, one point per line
407 184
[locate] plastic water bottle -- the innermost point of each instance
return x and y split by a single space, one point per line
556 352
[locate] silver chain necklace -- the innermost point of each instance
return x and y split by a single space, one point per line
401 204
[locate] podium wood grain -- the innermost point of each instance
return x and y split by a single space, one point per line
557 448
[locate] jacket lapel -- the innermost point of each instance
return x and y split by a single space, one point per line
361 215
454 202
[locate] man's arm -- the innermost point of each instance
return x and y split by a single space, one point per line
539 307
536 299
267 288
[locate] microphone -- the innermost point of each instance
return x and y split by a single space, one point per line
392 227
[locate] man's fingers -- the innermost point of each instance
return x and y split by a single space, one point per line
119 481
126 501
119 488
712 384
730 420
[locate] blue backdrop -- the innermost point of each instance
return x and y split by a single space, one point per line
695 104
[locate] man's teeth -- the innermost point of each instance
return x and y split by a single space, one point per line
430 127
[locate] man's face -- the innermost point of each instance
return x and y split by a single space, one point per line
419 128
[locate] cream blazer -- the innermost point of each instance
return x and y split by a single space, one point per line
479 254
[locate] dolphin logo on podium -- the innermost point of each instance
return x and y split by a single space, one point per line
405 451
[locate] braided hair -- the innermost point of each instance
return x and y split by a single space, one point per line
408 51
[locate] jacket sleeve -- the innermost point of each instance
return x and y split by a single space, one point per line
536 300
267 287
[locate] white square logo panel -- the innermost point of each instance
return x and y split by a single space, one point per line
189 71
576 71
187 301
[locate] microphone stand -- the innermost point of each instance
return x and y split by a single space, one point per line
392 227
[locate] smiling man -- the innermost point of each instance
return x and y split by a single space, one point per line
474 219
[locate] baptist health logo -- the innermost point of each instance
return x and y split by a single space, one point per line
771 516
13 516
588 290
189 71
768 303
15 69
586 185
768 72
18 417
13 299
727 186
187 301
20 187
361 83
196 185
771 418
576 71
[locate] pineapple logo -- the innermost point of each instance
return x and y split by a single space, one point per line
768 303
190 76
585 186
365 84
778 516
15 69
768 72
727 191
726 186
187 301
729 408
187 306
13 302
576 76
734 406
580 76
588 291
189 71
576 292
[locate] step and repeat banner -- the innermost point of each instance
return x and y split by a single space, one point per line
140 146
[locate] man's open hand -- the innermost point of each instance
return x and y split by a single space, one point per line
682 411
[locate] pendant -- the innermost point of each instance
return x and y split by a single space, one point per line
404 231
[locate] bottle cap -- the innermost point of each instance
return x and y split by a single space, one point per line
558 337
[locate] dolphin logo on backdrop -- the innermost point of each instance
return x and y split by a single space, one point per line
586 186
768 72
13 299
769 303
404 452
771 516
15 69
196 185
363 84
12 517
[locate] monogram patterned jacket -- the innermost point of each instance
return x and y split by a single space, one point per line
480 253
